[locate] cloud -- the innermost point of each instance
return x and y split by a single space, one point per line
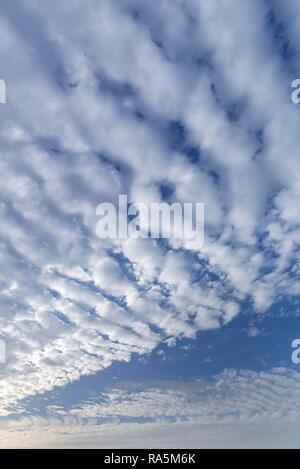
231 396
106 98
235 409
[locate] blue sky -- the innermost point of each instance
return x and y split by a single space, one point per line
114 341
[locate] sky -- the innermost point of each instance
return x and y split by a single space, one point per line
146 342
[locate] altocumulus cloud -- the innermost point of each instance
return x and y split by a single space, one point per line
235 409
144 99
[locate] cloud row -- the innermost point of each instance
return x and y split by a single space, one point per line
117 97
234 409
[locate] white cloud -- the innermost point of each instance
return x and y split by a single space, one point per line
235 409
80 75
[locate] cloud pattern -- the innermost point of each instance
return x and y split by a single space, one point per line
178 99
